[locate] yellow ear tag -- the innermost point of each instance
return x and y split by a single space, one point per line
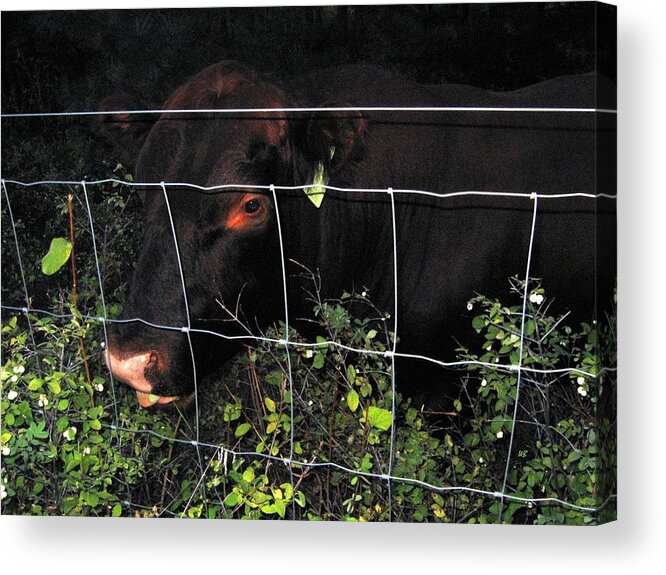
318 188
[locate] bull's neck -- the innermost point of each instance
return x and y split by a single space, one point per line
347 242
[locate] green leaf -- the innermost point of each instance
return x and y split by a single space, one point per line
248 475
54 385
231 500
497 423
270 404
530 327
35 384
232 411
57 256
352 400
574 456
379 418
478 323
271 427
242 429
117 510
318 362
280 507
351 374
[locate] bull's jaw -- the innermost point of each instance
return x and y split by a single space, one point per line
147 400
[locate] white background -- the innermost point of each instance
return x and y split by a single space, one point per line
634 543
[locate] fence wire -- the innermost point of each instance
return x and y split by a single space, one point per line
291 462
310 110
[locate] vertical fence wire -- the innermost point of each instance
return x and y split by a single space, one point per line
393 349
187 328
286 347
535 199
103 301
23 281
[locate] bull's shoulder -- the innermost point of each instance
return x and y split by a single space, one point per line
369 85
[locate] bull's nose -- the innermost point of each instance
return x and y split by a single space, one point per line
131 369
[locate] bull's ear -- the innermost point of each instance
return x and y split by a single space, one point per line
124 133
336 138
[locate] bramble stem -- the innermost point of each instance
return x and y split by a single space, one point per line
75 296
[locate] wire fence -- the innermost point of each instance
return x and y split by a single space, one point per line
533 199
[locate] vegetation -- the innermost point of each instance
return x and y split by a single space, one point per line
73 444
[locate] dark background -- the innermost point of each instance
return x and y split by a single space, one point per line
55 61
69 60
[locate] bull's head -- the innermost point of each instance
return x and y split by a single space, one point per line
211 260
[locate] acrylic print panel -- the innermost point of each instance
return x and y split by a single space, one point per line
339 263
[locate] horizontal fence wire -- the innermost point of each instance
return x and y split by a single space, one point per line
378 476
303 187
323 109
501 495
312 345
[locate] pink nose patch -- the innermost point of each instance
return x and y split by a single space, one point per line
131 370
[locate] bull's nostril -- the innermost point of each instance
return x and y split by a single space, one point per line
152 362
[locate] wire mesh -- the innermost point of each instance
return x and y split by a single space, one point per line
533 197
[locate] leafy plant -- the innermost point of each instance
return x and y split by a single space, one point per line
319 435
556 453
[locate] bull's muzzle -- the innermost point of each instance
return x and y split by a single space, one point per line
132 371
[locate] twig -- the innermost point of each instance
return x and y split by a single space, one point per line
166 475
75 297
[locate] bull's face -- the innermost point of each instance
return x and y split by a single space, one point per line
214 280
210 260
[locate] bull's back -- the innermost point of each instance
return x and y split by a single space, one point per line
451 248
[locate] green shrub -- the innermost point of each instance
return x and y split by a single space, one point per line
79 448
58 456
564 437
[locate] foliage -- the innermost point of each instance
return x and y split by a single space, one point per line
70 447
58 457
564 443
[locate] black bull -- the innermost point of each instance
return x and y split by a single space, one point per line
447 249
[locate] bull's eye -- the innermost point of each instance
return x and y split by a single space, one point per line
249 213
252 206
